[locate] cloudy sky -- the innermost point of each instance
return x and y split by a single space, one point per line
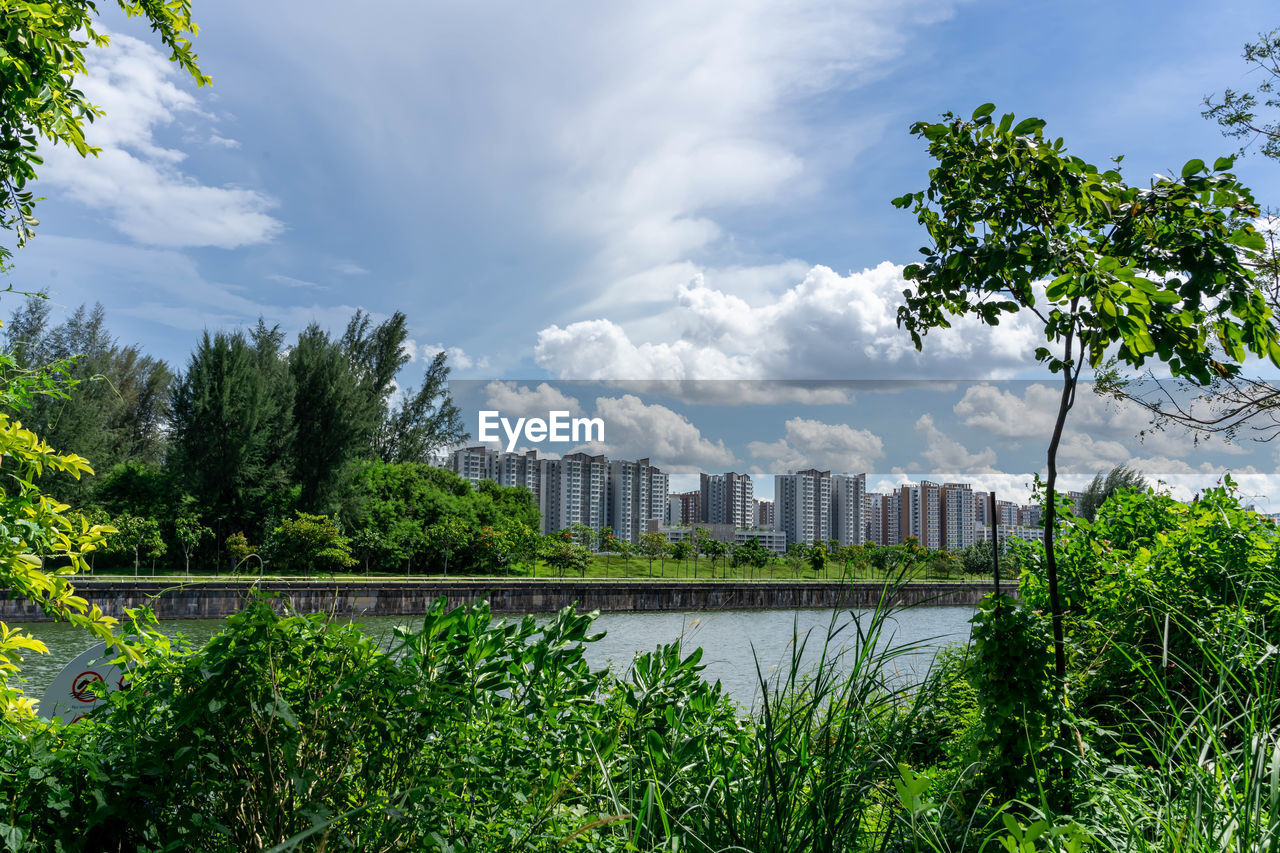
623 190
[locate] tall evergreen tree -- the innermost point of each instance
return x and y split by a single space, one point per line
333 418
424 421
229 415
116 400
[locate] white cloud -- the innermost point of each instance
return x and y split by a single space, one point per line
290 281
457 356
137 181
521 401
634 429
826 326
1097 428
944 453
350 268
808 443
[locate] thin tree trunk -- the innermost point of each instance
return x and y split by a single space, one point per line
1070 374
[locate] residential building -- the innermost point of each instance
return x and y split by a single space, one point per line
764 515
727 499
685 508
959 525
574 491
849 508
803 506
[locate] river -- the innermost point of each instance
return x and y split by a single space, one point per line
732 640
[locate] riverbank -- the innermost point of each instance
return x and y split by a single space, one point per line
217 598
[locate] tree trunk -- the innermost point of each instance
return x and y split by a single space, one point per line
1070 374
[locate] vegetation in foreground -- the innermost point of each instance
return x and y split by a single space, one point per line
287 732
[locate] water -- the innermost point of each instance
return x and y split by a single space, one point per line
728 639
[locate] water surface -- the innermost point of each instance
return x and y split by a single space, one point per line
732 640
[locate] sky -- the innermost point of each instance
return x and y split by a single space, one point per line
626 191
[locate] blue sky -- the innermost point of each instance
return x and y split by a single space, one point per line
624 190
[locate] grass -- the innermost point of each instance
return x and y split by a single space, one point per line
601 567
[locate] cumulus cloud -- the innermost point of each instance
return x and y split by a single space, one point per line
944 453
808 443
827 326
520 401
458 357
1097 427
137 181
636 429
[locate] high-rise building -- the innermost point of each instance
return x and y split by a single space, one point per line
637 495
764 514
574 491
802 506
727 499
849 508
920 513
474 463
959 523
685 508
520 469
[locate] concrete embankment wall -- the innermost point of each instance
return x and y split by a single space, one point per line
177 599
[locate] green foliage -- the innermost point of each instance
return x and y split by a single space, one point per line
1009 668
447 537
335 420
232 428
35 529
115 399
138 537
1103 487
565 557
238 548
750 554
1155 579
41 54
1160 271
653 546
308 543
1244 114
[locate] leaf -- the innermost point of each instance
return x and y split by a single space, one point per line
983 111
1028 125
1223 163
1191 167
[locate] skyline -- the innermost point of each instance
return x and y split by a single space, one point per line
630 192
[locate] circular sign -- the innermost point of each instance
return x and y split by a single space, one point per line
72 694
82 686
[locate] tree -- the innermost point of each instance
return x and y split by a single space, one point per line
653 546
750 554
795 557
1103 487
232 408
334 421
41 54
1139 273
682 550
1232 406
424 421
448 536
115 399
566 557
138 536
189 532
818 558
39 533
307 544
1238 113
713 548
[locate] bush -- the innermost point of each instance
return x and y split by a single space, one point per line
309 543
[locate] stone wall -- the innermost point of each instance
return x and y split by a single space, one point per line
173 599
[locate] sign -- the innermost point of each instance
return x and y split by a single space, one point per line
72 694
